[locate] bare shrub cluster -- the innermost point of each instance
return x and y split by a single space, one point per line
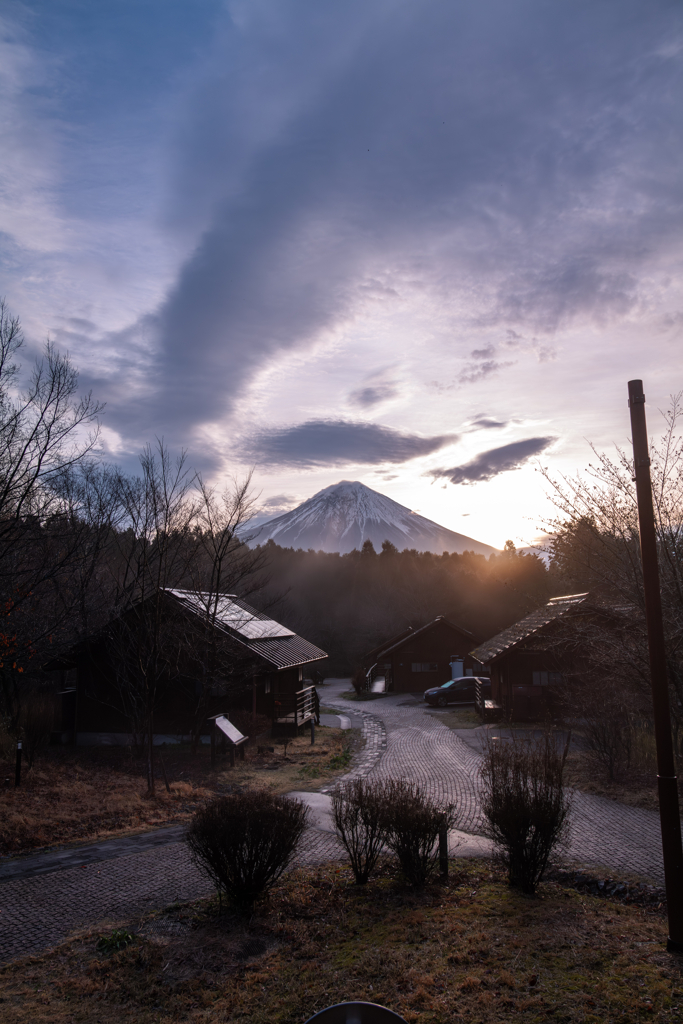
396 814
244 842
412 825
358 811
525 804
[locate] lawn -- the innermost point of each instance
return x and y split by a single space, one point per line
471 949
82 794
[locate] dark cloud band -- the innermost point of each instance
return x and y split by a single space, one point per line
495 461
339 443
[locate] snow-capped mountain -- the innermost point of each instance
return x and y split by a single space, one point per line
343 516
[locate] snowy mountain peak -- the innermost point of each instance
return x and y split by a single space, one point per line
343 516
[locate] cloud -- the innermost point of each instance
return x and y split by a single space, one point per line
518 161
277 505
480 371
373 395
338 443
495 461
489 424
327 156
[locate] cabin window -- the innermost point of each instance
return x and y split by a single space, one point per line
424 666
267 688
547 678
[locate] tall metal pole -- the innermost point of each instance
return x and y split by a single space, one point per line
666 772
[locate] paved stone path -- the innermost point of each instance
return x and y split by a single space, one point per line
45 897
374 736
605 835
36 912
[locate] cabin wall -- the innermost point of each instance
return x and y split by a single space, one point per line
90 714
513 684
435 647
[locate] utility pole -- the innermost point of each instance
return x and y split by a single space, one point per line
667 784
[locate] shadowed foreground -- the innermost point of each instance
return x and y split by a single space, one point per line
471 949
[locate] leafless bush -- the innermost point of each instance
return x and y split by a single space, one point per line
244 842
358 680
608 738
411 825
359 811
525 804
603 710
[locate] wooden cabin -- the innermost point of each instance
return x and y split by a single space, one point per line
417 659
529 660
217 654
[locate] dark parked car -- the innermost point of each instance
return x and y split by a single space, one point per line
458 691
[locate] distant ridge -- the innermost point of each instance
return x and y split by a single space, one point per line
343 516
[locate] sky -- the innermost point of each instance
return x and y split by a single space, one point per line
423 244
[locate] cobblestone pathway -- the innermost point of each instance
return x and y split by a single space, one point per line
605 835
38 911
402 740
374 736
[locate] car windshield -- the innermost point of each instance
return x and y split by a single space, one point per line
446 685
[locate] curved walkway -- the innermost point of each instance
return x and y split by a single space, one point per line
45 897
605 835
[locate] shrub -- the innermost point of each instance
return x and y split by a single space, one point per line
359 812
359 680
525 804
244 842
411 825
119 939
341 760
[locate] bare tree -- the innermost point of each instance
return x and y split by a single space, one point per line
223 564
154 548
596 547
45 430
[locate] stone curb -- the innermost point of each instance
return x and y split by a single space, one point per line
374 733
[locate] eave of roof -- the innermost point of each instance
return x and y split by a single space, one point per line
286 652
403 635
526 627
416 632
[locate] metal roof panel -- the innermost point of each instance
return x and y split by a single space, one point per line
235 614
526 627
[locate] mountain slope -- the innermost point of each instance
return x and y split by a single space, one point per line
343 516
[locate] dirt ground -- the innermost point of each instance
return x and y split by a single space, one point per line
470 949
86 793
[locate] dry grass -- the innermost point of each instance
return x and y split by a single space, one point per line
472 950
62 803
637 787
304 767
81 795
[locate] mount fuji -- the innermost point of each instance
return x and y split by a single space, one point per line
342 517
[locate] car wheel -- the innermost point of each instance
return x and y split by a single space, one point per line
441 701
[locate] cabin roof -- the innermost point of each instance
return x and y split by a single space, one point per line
537 620
398 641
254 630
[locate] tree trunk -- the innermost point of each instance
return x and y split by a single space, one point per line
150 754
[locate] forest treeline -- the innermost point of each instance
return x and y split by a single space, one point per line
347 604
